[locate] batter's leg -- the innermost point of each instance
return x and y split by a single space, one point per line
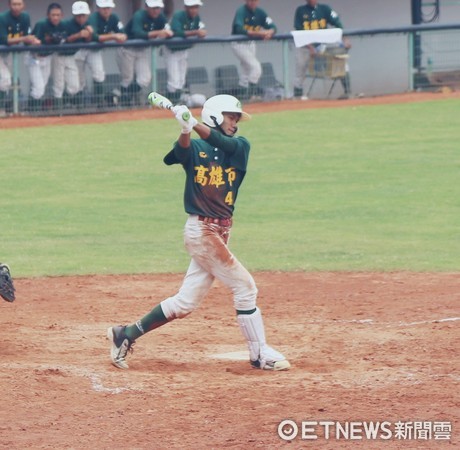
194 288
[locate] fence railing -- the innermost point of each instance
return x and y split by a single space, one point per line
381 61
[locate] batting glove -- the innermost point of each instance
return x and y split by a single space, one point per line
185 118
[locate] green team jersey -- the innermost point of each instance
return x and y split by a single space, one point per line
101 26
141 23
182 22
13 27
247 20
72 27
316 18
49 34
215 169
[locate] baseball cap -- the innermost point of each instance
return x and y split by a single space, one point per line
80 8
105 4
193 3
155 3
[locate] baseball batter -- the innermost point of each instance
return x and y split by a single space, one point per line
14 30
314 16
215 166
184 24
253 22
148 23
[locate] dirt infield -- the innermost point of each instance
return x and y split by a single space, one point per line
363 346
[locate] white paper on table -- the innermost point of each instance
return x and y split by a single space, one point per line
326 36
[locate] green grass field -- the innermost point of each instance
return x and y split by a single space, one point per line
362 188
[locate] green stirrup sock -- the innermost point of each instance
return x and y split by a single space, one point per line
149 322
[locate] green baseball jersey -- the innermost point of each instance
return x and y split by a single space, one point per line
102 26
215 169
141 23
182 22
13 27
247 20
316 18
49 34
72 27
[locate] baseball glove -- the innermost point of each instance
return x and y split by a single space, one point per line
6 283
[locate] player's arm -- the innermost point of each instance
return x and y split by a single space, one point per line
200 32
238 23
137 26
27 38
227 144
85 33
164 33
298 20
334 19
3 33
117 32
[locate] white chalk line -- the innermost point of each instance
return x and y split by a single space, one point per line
94 378
387 324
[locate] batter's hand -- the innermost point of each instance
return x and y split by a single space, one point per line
187 125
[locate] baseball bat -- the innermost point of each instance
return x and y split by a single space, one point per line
159 101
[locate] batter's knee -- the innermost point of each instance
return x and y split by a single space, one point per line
245 298
178 307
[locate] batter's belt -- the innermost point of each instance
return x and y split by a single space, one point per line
227 222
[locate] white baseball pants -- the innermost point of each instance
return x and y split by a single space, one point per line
211 258
6 67
92 59
302 56
176 66
251 69
65 75
135 62
39 74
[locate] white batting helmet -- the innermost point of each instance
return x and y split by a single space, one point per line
214 107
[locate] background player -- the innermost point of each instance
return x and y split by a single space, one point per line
315 16
14 30
253 22
184 24
215 166
107 27
65 71
148 23
49 31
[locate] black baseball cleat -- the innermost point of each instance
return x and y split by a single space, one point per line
121 344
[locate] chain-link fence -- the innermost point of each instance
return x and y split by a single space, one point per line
89 78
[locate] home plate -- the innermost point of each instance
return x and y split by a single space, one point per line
233 356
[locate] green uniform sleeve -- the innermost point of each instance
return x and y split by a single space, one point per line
3 31
333 19
298 21
227 144
268 21
93 21
137 26
177 24
238 22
